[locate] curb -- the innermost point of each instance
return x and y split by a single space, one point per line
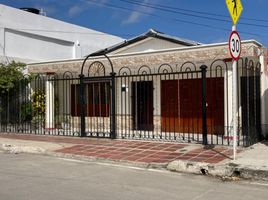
159 166
217 170
225 171
251 174
22 149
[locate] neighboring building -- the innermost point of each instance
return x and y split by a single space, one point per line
30 37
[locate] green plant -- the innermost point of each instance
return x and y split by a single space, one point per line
39 103
56 106
10 74
26 112
38 121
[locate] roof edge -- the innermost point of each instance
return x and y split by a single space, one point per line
157 51
150 33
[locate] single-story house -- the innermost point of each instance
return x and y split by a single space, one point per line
150 87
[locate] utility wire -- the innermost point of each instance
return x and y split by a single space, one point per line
147 5
129 35
195 11
172 19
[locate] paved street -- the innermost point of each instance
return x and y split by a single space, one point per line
26 176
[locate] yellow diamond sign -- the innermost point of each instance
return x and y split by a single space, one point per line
235 8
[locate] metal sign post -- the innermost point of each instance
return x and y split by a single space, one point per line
235 51
235 108
235 8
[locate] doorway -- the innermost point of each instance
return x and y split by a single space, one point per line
142 105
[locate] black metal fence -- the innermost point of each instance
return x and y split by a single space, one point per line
170 102
40 104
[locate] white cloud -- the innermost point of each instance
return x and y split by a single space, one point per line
76 9
132 18
136 16
99 2
82 6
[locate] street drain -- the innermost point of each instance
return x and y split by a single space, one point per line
236 173
204 171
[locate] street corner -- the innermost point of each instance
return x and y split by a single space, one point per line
252 163
248 173
208 160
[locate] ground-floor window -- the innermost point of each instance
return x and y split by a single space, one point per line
97 99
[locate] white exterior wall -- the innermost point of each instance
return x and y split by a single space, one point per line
148 45
36 46
264 92
30 37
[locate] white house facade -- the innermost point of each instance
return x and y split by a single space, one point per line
30 37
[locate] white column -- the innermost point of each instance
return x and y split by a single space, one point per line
264 93
228 101
49 102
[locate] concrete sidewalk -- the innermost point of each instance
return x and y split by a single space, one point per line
251 162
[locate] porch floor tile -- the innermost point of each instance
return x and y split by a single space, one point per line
134 151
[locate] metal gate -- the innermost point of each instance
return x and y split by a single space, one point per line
97 101
171 102
96 107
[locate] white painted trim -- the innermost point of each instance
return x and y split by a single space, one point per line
12 30
185 48
151 52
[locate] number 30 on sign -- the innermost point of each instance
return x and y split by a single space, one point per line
235 45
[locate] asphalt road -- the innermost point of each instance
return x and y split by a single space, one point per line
37 177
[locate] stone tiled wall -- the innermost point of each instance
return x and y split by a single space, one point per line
197 55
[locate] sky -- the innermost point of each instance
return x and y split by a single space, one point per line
205 21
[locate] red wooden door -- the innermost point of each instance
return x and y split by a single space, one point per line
215 105
190 98
181 105
169 106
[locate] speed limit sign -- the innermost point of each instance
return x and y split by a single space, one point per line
235 45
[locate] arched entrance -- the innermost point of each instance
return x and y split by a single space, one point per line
97 99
